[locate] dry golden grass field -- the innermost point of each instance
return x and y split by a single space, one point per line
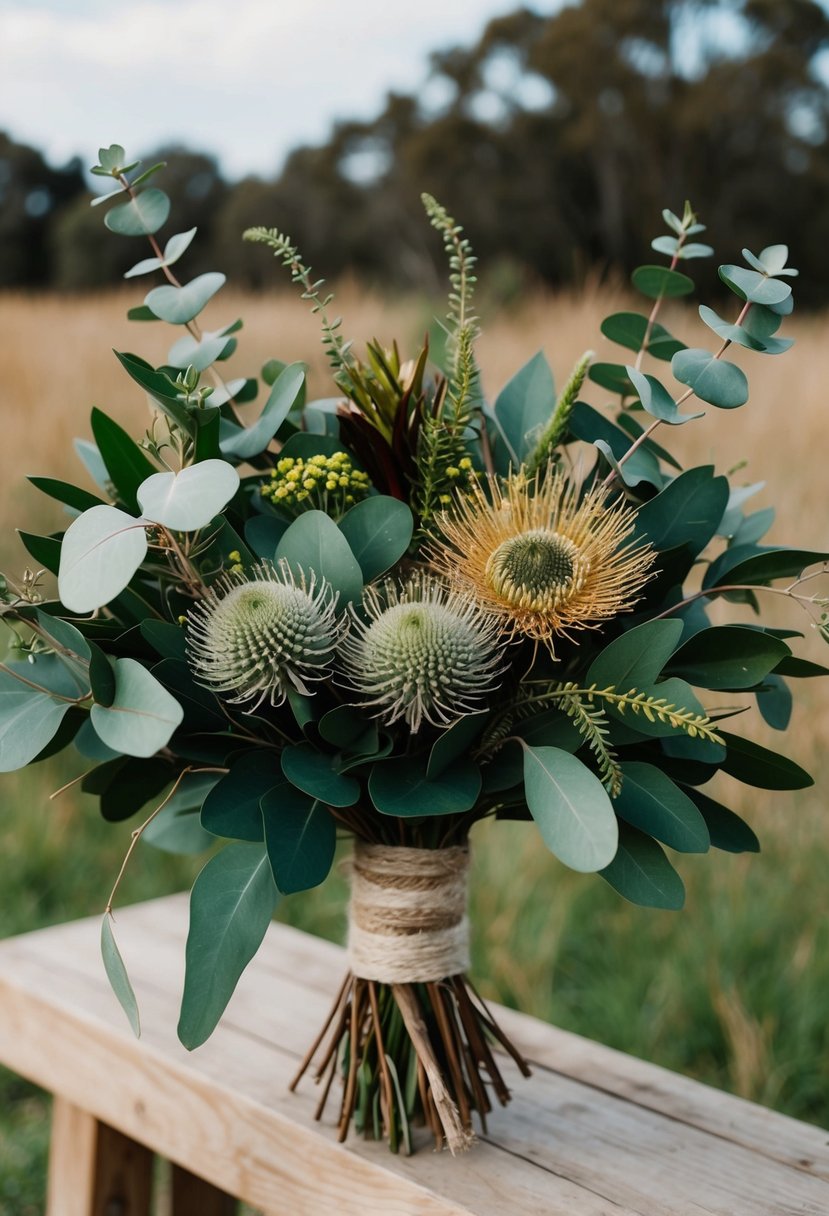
734 989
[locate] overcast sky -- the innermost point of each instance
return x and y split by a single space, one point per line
248 79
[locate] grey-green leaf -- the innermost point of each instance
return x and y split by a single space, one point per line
231 906
117 975
143 715
178 305
571 808
141 216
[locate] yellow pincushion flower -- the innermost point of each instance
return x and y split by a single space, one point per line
544 562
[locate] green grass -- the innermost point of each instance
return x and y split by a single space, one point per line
733 990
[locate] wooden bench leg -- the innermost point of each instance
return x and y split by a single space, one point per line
193 1196
95 1170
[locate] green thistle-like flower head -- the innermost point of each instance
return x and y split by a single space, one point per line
424 653
256 635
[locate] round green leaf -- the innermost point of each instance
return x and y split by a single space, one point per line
100 552
231 906
612 376
755 287
313 773
400 786
263 533
641 872
656 399
188 352
178 305
629 329
655 282
314 543
713 380
141 216
29 720
571 808
142 716
378 531
190 499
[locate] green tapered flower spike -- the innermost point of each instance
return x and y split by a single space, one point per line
256 636
423 652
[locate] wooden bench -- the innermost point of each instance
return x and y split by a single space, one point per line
592 1133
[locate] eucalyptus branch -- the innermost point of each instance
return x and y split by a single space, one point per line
689 392
138 832
336 349
657 304
805 601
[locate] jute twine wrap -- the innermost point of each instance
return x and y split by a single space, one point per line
407 921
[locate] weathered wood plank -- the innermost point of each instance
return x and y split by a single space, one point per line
593 1132
93 1169
225 1113
289 954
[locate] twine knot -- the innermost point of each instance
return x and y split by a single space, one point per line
407 918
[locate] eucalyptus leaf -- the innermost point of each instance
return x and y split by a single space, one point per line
247 442
650 801
657 282
754 287
522 408
759 767
379 531
143 715
232 807
727 657
314 773
571 808
641 872
687 512
141 216
126 465
400 786
29 719
178 305
636 659
301 840
656 399
100 553
231 906
314 543
188 500
117 975
714 380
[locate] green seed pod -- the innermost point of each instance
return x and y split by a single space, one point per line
425 652
257 635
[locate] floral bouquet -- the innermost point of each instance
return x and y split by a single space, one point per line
391 614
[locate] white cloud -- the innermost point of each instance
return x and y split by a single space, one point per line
248 79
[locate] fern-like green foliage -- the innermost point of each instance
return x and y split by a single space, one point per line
556 428
441 444
337 350
591 722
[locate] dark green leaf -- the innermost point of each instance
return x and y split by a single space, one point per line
747 564
263 533
522 408
650 801
761 768
231 906
167 640
775 702
300 839
727 830
160 388
686 512
232 808
636 659
657 282
656 399
629 328
126 464
727 657
612 376
641 872
314 773
72 496
401 787
454 743
44 549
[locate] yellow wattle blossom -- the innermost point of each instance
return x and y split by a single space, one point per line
544 562
324 483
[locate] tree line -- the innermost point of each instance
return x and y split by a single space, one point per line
556 141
